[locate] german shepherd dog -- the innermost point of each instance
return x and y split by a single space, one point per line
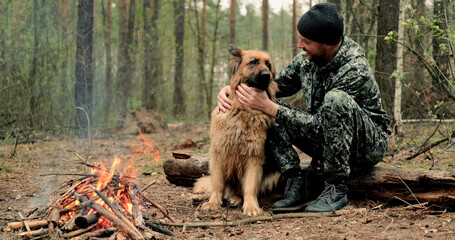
238 139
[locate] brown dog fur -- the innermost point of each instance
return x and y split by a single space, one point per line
238 139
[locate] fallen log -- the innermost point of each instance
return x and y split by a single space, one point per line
384 184
411 185
186 168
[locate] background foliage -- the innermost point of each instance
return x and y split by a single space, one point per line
38 48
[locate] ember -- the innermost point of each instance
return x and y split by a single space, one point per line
99 204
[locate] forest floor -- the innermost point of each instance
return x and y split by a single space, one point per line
27 182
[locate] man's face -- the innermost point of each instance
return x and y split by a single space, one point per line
315 51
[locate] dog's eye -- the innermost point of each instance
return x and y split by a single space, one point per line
267 63
254 62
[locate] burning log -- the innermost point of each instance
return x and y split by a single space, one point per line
137 215
86 220
99 204
132 232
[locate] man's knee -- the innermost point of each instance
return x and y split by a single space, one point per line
338 106
337 99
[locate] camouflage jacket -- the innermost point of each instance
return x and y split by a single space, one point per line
349 71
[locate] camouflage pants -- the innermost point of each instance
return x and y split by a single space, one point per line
339 137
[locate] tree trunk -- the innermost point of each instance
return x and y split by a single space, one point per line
107 20
155 59
441 57
295 37
131 47
380 183
201 80
122 62
148 87
386 53
84 76
179 33
232 22
213 55
398 127
265 25
417 76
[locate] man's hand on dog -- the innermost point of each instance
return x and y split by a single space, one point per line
224 103
256 99
251 97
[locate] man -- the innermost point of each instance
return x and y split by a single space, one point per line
344 127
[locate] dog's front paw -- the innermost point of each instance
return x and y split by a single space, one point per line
235 201
210 206
251 210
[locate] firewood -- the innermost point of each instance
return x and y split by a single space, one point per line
31 223
78 232
123 226
115 209
54 217
35 233
86 220
96 233
137 215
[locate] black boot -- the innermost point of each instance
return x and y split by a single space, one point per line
292 194
334 197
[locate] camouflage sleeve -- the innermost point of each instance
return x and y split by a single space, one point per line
297 120
288 79
359 83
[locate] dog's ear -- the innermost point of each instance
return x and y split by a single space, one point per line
235 57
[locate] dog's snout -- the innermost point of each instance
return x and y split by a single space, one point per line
264 75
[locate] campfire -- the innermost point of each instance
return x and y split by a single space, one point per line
100 204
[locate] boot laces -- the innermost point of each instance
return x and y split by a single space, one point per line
329 192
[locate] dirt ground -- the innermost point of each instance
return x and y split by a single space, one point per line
29 178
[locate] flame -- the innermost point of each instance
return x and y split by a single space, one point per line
116 191
104 176
150 147
111 184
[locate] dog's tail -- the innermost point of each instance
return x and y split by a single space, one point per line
202 185
269 182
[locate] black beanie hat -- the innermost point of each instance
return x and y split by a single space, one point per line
322 24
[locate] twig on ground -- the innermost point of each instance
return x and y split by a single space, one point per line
145 188
425 149
408 189
80 157
417 206
66 174
159 207
266 218
390 222
431 135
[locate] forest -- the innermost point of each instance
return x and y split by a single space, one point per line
87 83
63 62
